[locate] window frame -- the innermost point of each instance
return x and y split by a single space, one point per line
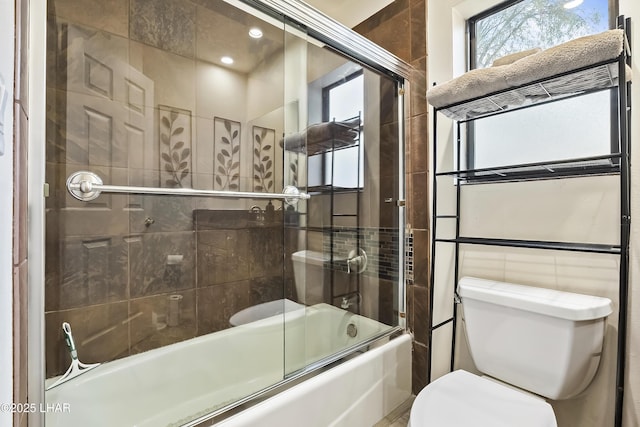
577 170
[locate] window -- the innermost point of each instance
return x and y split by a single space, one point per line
343 101
568 129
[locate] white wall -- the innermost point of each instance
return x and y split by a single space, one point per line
7 15
585 209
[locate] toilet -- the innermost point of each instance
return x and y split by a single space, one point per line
308 274
265 310
530 343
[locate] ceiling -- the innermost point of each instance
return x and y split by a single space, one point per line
223 30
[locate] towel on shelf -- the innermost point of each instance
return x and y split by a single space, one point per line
472 84
513 57
324 136
528 67
565 57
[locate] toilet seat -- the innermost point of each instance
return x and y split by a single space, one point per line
462 399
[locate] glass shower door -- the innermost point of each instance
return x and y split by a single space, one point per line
343 148
169 291
173 128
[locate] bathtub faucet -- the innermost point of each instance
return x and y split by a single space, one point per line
350 299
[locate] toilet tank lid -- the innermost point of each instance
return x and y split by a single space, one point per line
314 257
550 302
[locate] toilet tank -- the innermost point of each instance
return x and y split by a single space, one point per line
308 275
542 340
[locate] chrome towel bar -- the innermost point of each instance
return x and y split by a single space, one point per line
86 186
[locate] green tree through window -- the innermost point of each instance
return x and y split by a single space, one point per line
535 23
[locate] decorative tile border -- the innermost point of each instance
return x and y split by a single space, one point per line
380 244
408 256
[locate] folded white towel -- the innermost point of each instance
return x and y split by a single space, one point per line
513 57
472 84
566 57
574 54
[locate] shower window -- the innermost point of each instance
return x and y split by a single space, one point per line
573 128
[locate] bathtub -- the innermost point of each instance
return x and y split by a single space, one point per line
173 385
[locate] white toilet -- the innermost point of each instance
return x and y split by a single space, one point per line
308 274
532 343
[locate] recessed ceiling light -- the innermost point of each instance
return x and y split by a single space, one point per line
227 60
255 33
573 3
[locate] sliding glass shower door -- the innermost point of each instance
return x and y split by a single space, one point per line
183 252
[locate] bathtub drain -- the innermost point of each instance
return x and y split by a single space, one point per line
352 330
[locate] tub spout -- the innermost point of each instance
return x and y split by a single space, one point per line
350 299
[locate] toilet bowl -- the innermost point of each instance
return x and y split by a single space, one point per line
264 310
463 399
532 344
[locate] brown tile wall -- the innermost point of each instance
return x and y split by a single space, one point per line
401 28
229 263
20 262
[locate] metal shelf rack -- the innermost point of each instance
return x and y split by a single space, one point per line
601 76
329 147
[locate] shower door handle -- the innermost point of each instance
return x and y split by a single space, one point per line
86 186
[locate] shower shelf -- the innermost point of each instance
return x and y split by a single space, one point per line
579 82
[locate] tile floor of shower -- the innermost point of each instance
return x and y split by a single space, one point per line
399 417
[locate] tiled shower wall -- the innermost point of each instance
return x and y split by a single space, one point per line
228 262
401 29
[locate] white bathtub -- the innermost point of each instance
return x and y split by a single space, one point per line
356 393
172 385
